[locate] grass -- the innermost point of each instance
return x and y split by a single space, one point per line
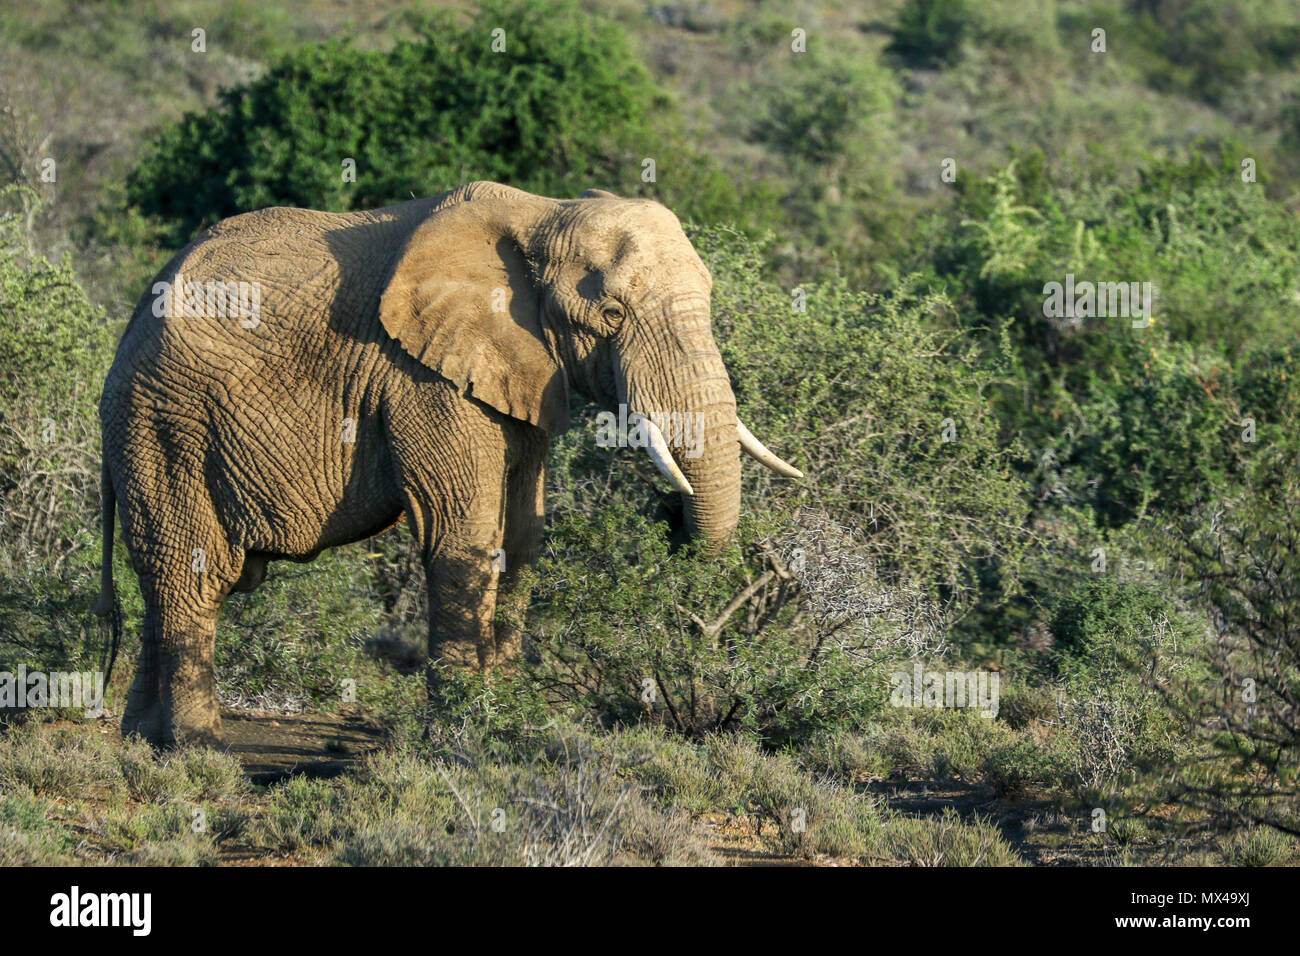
563 795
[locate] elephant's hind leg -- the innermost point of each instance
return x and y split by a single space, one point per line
173 700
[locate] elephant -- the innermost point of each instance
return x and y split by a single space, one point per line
297 380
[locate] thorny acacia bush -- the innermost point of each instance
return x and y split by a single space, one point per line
890 420
1241 554
832 579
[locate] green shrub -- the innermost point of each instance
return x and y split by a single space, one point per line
1136 418
1207 48
936 33
300 636
620 626
821 116
54 347
890 419
434 112
830 119
929 33
1165 441
1221 253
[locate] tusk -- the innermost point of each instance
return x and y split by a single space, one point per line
660 455
756 449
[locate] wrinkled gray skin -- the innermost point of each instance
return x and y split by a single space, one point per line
226 447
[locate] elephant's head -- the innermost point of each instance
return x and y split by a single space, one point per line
518 298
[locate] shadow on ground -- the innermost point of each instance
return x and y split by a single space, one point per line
275 747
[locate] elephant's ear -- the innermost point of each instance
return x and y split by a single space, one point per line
462 300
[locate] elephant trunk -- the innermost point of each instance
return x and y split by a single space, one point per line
683 389
712 510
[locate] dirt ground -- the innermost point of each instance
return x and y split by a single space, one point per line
273 747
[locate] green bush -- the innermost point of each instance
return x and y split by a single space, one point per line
434 112
821 116
1164 441
55 346
619 626
936 33
1138 418
1222 254
891 420
1208 48
1268 385
830 119
929 33
300 636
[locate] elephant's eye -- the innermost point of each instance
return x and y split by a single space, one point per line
612 311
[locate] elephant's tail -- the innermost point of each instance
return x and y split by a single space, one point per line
104 606
107 605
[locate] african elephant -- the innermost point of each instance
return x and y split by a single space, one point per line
296 380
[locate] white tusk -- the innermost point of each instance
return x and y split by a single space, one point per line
756 449
660 455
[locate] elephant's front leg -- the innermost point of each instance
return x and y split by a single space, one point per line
462 603
463 566
525 521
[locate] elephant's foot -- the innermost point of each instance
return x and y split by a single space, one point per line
144 722
210 736
460 655
191 715
188 716
153 725
143 715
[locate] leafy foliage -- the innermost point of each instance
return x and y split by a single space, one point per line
437 110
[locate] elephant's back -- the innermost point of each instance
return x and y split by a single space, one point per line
263 291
